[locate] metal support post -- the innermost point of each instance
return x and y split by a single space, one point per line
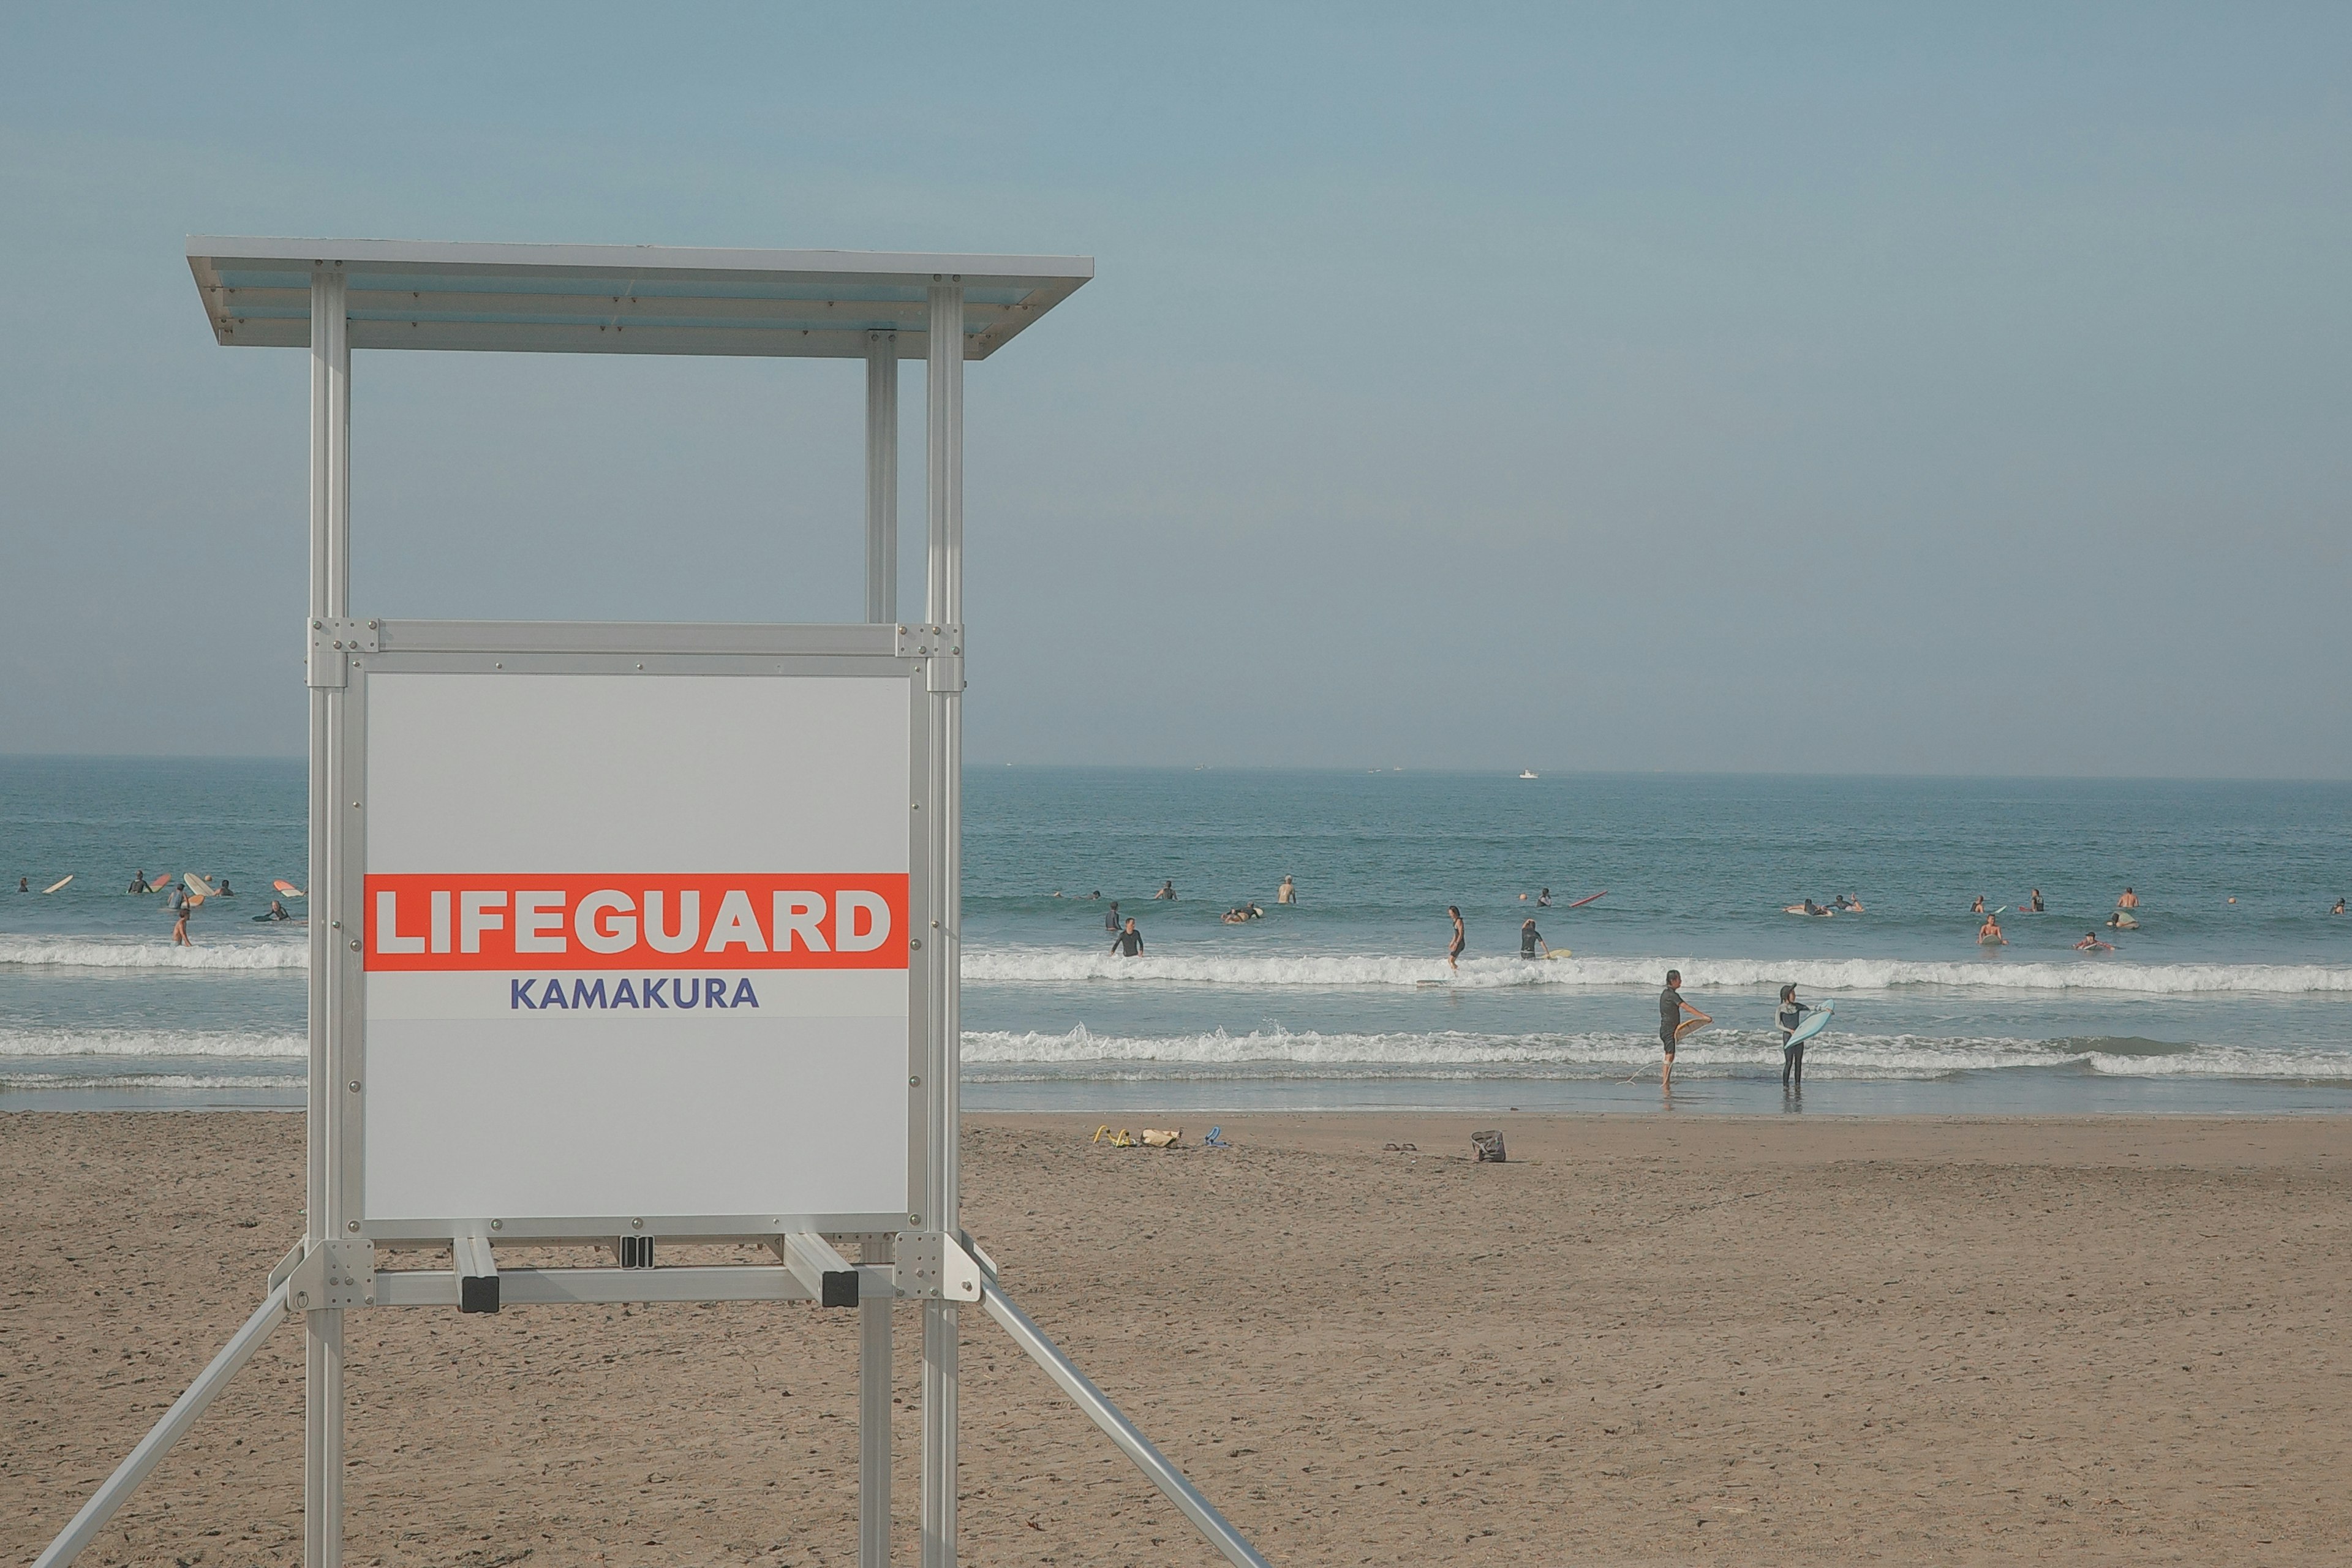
330 585
874 1416
882 477
943 488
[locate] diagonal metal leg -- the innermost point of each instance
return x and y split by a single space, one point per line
1171 1480
158 1442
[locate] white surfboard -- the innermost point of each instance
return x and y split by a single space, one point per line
1813 1025
60 883
197 884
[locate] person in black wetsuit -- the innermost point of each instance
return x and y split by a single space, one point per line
1792 1057
1531 941
1110 917
1167 890
1129 942
1543 900
1461 940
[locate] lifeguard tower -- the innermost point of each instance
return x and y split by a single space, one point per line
568 993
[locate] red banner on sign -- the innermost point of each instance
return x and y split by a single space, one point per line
428 922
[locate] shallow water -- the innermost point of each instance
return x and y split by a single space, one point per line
1345 999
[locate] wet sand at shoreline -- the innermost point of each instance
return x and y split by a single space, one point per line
1645 1340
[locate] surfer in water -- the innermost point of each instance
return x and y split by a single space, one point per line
276 912
1674 1015
1977 908
1989 934
1110 917
1288 893
1792 1056
1461 939
1129 942
2090 944
2119 920
2130 900
2338 908
1167 890
2034 901
1531 941
24 884
1543 900
180 923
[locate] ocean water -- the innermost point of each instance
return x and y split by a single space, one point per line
1345 999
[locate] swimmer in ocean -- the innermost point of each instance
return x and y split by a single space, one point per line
1543 900
1288 893
1461 940
2034 901
1977 908
2130 900
2090 944
1167 890
1531 941
2338 908
1110 917
1129 943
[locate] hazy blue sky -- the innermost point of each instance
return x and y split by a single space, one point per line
1957 389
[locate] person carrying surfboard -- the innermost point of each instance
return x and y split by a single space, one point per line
1531 941
1792 1052
1989 934
1676 1018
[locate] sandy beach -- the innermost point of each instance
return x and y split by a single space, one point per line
1645 1340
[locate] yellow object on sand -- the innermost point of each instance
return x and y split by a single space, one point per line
1118 1139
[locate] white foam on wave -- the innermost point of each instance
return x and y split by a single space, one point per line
36 1044
103 952
1349 971
1081 1053
173 1082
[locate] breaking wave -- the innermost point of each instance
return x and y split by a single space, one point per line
1342 972
100 952
1081 1053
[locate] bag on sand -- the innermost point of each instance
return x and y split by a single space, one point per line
1161 1138
1489 1146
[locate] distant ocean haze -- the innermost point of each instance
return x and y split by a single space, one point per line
1345 998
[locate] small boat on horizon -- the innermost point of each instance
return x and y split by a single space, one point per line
1526 773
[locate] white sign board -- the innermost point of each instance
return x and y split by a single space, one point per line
635 946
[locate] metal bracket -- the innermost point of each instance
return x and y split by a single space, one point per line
478 1273
831 1280
979 1256
941 648
332 642
286 1266
332 1275
933 1267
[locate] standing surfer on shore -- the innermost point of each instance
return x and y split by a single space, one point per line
1671 1022
1792 1053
